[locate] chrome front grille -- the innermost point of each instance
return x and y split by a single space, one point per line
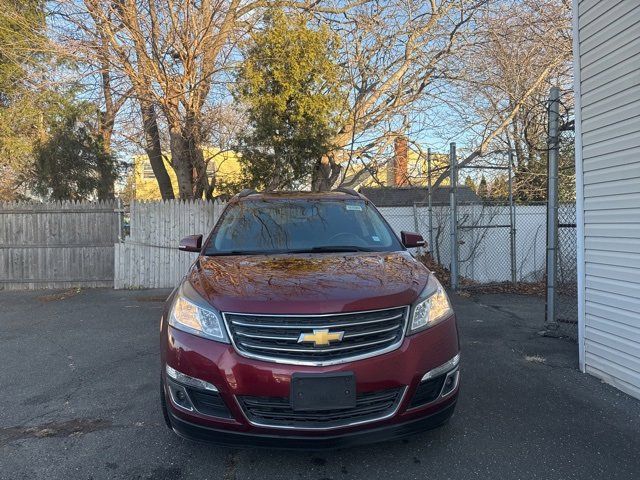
278 337
277 411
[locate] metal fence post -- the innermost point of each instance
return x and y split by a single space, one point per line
454 215
416 225
552 208
430 207
512 220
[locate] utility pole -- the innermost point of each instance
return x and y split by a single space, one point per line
552 208
453 162
429 199
512 221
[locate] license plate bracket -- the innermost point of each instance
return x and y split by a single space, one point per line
321 392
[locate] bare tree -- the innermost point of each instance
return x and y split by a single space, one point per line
169 52
408 64
177 55
81 37
112 103
153 148
520 49
397 56
412 65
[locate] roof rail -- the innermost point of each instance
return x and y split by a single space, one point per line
246 192
348 191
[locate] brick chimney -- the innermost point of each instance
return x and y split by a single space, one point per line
400 161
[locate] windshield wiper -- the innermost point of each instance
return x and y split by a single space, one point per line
243 252
333 248
320 249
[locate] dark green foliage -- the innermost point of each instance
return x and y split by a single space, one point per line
71 161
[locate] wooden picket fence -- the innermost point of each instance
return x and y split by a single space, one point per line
57 244
149 256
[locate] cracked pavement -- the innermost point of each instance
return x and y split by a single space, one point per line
79 376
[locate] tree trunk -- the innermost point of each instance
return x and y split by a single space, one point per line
182 160
105 190
106 122
325 174
275 178
154 150
208 193
187 157
200 167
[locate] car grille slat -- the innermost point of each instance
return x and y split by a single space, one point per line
310 325
266 337
317 350
277 411
277 337
371 332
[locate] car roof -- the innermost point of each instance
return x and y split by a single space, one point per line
298 195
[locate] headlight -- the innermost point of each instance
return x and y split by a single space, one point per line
432 307
191 313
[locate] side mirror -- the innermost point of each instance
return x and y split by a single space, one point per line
192 243
412 240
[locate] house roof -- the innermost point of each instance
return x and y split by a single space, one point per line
407 196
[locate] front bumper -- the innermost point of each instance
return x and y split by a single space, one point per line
235 377
291 441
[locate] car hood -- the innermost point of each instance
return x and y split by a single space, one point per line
309 283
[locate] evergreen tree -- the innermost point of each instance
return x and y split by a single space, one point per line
500 188
483 191
21 39
21 46
288 83
469 183
71 162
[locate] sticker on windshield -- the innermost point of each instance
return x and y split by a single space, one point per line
357 208
375 238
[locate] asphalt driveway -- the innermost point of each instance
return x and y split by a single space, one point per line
79 399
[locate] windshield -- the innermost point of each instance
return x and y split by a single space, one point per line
299 226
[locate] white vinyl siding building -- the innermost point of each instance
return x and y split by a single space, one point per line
607 88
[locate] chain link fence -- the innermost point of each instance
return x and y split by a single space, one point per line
484 242
501 242
507 227
485 261
567 276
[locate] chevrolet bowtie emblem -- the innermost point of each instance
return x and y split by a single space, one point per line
321 338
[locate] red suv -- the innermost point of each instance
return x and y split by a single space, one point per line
305 322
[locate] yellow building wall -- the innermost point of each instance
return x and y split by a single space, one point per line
225 165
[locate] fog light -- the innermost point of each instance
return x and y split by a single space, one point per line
437 383
179 396
450 382
189 381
